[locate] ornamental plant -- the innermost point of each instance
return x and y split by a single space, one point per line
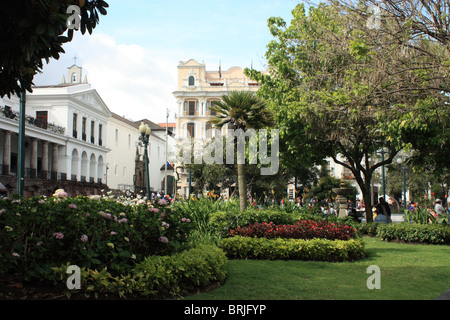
39 233
304 229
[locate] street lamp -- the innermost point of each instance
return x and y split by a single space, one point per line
145 131
403 167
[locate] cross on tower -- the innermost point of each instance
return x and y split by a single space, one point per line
75 60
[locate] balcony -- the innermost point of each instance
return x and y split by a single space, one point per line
11 114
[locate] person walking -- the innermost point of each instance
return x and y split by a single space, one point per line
383 208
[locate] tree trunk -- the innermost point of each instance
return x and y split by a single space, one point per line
242 187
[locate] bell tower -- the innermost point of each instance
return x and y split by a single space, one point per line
74 74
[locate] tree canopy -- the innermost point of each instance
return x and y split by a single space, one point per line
356 91
33 31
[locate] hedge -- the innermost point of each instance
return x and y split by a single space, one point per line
238 247
411 232
182 272
156 276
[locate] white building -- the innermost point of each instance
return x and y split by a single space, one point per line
65 138
126 158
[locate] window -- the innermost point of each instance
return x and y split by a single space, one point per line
75 121
74 77
42 119
191 130
209 111
100 142
83 129
117 137
92 131
208 129
191 81
190 108
129 141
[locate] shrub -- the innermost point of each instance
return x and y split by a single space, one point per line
156 276
410 232
304 229
181 272
296 249
37 234
369 228
224 221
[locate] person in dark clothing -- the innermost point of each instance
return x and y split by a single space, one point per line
383 208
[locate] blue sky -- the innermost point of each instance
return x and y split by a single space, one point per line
132 56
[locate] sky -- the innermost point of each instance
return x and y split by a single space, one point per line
131 58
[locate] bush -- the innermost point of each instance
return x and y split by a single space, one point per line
224 221
37 234
293 249
304 229
409 232
369 228
182 272
156 276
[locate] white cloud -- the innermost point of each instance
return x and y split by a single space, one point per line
133 81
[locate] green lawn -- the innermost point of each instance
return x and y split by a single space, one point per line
408 272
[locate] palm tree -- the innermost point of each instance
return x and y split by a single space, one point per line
243 110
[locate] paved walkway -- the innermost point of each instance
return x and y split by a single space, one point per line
444 296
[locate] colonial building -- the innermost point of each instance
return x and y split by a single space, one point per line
197 91
65 138
126 164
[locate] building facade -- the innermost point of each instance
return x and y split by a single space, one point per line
198 89
65 138
126 163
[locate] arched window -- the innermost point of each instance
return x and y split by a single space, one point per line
74 77
191 81
191 130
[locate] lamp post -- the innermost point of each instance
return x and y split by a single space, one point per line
145 131
403 167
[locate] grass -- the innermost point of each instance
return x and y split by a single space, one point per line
408 272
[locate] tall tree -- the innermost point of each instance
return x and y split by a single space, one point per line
242 110
346 82
420 73
33 31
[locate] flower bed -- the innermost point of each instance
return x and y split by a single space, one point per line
304 229
37 234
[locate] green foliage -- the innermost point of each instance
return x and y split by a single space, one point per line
298 249
410 232
224 221
38 26
182 272
156 276
37 234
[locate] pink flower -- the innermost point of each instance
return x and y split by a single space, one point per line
165 225
163 239
58 235
72 206
84 238
185 220
162 202
113 233
123 220
154 209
